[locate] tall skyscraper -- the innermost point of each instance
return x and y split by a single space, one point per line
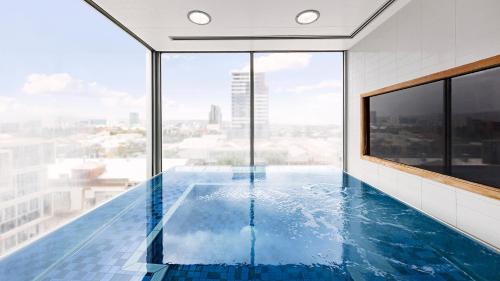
240 108
215 115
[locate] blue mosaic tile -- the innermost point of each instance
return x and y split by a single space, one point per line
217 223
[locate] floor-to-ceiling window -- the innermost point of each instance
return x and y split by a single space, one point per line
297 108
72 115
206 109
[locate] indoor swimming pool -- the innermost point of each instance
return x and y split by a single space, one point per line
275 223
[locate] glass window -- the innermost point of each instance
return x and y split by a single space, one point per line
206 109
476 127
10 213
10 242
22 208
298 108
72 111
407 126
27 183
34 204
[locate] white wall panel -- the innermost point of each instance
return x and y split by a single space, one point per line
409 41
477 29
438 35
388 180
479 216
439 201
424 37
409 189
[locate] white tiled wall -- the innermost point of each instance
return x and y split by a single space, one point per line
424 37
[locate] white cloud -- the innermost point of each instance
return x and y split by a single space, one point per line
326 84
64 83
280 61
60 94
321 109
324 109
174 110
7 103
51 83
11 107
116 99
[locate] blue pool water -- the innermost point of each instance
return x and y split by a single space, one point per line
217 223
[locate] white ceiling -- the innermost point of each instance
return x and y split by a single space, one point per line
156 21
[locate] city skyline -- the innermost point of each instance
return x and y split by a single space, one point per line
73 113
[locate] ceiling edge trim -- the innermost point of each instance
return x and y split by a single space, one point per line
372 17
264 37
118 23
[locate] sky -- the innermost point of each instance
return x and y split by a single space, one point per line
304 88
64 60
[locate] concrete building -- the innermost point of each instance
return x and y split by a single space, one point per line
133 119
240 105
215 115
27 202
214 119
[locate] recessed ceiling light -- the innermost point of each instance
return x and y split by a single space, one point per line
199 17
307 17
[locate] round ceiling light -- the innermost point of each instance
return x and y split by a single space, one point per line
199 17
307 17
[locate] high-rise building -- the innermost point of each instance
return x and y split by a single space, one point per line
215 115
36 194
240 108
133 119
24 194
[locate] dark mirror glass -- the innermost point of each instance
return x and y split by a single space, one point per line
407 126
476 127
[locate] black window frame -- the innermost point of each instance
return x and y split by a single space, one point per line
400 92
156 93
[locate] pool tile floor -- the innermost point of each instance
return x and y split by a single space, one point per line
221 223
